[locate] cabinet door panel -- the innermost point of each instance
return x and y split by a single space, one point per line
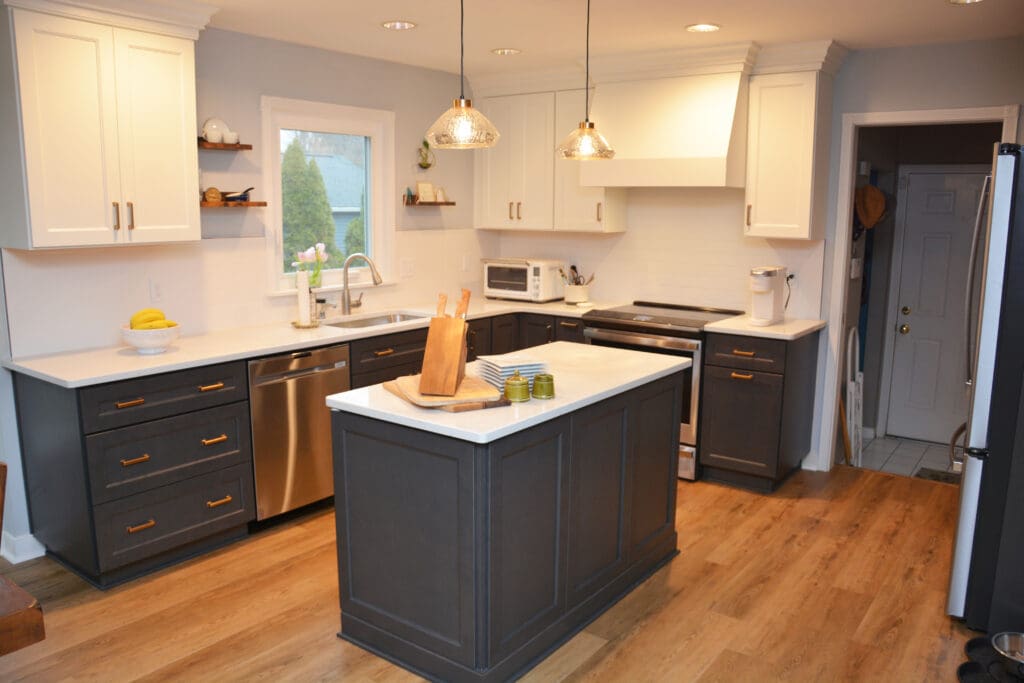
535 330
66 86
536 163
156 105
478 338
742 410
569 329
655 462
493 188
597 497
504 334
576 206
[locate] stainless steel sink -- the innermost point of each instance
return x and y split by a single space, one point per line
382 319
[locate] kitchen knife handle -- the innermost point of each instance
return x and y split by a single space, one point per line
442 303
117 215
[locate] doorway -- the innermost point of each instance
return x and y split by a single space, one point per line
931 176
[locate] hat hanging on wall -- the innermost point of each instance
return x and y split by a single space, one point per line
870 204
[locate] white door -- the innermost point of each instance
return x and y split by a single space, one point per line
936 211
66 85
156 104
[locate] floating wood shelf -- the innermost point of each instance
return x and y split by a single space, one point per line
228 205
416 202
203 144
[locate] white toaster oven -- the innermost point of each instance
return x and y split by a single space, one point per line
523 279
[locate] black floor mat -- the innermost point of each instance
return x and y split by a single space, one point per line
938 475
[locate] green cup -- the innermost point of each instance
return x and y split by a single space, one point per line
544 386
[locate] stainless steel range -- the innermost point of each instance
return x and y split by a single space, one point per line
662 328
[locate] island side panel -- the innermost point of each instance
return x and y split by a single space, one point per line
529 506
405 508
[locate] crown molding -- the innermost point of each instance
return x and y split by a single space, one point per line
182 18
672 63
818 55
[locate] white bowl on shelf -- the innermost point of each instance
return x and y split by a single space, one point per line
214 128
148 342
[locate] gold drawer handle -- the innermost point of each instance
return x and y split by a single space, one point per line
745 354
383 352
217 503
129 404
740 375
217 439
135 461
141 527
211 387
571 326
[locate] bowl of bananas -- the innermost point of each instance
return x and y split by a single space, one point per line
149 331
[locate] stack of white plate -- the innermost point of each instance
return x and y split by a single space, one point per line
496 369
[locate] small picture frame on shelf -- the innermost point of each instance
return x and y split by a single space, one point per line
439 195
424 192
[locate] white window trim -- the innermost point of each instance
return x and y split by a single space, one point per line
376 124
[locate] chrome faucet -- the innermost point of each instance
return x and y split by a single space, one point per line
346 297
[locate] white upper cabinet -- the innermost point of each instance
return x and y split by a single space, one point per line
521 185
514 183
787 171
579 208
107 135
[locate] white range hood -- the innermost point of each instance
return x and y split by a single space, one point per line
680 124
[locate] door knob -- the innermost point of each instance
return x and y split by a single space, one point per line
905 310
904 328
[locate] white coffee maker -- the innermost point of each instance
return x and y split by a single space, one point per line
767 305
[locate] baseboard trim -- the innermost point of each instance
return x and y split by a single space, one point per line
16 549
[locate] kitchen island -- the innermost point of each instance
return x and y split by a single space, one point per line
471 545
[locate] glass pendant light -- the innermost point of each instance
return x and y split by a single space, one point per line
585 142
462 127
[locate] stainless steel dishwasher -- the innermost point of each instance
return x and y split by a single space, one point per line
291 426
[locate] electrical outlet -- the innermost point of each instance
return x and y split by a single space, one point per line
156 292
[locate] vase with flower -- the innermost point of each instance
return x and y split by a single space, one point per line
312 260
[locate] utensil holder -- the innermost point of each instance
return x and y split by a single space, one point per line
577 294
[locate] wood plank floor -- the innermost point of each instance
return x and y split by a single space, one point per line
835 577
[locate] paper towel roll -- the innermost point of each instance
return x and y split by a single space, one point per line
302 287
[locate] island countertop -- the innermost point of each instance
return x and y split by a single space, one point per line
583 375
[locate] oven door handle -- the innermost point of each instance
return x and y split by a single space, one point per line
659 342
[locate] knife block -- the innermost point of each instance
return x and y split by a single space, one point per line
444 358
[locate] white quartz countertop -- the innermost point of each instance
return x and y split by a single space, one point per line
583 375
788 330
96 366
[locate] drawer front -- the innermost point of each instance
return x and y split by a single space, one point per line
365 379
126 461
141 526
376 353
118 404
748 353
569 329
741 421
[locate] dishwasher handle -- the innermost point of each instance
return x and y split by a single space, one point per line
288 366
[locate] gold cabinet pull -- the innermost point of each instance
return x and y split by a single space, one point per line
149 524
571 326
211 387
519 211
749 209
131 215
217 503
745 354
217 439
383 352
740 375
510 216
135 461
129 404
599 212
117 215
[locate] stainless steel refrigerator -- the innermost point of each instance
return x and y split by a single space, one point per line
987 577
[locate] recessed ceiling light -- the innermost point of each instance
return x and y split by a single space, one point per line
963 2
703 28
398 25
505 51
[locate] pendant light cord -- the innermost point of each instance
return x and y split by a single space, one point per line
586 86
462 49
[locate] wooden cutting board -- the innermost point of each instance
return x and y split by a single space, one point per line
472 390
444 357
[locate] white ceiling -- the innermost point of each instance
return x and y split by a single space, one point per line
551 35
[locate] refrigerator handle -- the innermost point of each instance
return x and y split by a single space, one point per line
968 312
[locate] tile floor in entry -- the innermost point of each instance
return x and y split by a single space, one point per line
905 456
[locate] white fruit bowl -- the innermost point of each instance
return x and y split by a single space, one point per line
149 341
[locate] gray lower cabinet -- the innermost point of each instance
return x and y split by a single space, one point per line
757 406
126 477
478 338
379 359
470 562
505 333
536 329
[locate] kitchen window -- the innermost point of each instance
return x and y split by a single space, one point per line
329 170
